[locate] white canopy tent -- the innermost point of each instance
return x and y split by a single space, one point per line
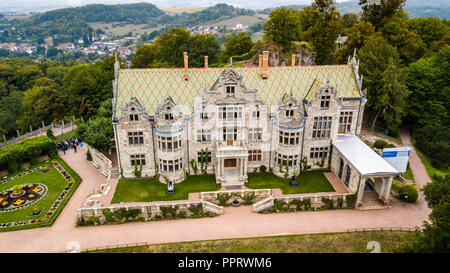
362 157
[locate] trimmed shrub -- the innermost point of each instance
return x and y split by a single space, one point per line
13 155
380 144
390 146
262 168
350 200
408 193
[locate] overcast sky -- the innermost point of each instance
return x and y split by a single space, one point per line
160 3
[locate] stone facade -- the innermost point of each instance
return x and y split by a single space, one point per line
235 131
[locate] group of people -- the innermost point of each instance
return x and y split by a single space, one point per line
70 144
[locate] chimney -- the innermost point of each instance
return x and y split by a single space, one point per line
185 66
265 64
260 61
293 60
206 61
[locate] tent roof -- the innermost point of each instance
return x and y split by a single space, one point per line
361 156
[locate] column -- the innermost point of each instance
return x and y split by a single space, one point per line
245 166
382 189
221 167
360 191
241 168
388 189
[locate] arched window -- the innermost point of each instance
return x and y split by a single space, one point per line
347 176
341 168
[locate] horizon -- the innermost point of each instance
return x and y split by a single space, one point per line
27 6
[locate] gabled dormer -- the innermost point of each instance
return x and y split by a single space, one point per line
133 112
168 112
290 112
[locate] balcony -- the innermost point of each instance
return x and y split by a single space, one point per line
236 148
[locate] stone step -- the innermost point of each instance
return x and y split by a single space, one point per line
371 206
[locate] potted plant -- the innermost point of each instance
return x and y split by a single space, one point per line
235 203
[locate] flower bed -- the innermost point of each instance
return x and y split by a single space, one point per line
51 212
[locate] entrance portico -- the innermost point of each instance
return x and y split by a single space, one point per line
362 170
231 164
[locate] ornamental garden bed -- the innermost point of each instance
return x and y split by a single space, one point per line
34 197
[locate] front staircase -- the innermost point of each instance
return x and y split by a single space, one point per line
371 201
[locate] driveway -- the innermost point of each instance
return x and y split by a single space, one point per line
238 222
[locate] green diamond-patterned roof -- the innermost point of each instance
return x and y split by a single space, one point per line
151 86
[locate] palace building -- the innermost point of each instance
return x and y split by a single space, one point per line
232 121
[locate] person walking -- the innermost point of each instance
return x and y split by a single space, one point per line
81 145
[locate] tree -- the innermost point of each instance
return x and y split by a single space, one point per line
321 24
43 102
380 13
168 49
282 27
357 38
98 132
429 29
237 45
428 81
435 234
408 44
386 92
202 45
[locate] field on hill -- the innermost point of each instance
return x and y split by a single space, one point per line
173 11
120 28
244 20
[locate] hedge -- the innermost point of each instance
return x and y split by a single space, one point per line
408 193
27 150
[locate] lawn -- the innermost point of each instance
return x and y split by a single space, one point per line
149 190
350 242
308 182
55 183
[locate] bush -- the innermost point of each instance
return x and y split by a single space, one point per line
223 199
408 193
196 210
328 203
350 200
380 144
262 168
50 134
13 155
390 146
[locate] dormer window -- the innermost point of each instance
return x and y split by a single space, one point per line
204 115
325 102
289 113
230 90
168 116
134 117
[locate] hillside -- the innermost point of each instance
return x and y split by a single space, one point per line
415 8
69 24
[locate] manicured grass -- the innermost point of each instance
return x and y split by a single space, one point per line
351 242
55 183
65 136
308 182
148 190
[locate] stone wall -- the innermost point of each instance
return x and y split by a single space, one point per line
100 161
